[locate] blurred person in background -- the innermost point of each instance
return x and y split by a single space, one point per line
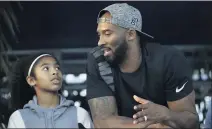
208 118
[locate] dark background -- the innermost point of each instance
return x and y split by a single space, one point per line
73 24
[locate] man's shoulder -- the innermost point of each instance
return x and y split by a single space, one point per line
90 55
94 49
94 53
163 49
94 56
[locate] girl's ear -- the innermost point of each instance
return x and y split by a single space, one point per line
31 81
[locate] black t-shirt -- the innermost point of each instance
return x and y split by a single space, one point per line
164 75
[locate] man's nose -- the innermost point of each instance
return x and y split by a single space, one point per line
101 41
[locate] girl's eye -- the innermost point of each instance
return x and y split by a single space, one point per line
57 68
46 68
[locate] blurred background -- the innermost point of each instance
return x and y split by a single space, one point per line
68 29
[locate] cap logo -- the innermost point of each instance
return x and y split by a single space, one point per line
134 21
102 20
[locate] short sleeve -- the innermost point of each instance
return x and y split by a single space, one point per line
178 73
96 86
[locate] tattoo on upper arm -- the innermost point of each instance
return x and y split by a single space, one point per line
103 107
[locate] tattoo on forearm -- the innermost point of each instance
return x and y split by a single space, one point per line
103 107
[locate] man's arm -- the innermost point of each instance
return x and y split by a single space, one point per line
105 115
183 113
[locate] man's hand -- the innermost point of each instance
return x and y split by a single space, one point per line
154 113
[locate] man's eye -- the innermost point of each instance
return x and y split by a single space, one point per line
107 34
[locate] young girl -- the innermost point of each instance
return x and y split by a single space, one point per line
39 78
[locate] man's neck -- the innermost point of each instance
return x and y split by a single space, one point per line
47 99
133 58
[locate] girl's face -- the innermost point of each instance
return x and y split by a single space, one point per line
48 76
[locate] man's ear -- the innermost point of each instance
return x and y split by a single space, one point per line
31 81
131 35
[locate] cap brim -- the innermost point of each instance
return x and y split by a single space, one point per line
145 34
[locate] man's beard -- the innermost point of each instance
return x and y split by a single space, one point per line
119 54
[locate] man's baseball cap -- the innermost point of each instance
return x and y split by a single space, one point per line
125 16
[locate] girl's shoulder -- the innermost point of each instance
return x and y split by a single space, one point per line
16 119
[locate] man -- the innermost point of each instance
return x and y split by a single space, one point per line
152 83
